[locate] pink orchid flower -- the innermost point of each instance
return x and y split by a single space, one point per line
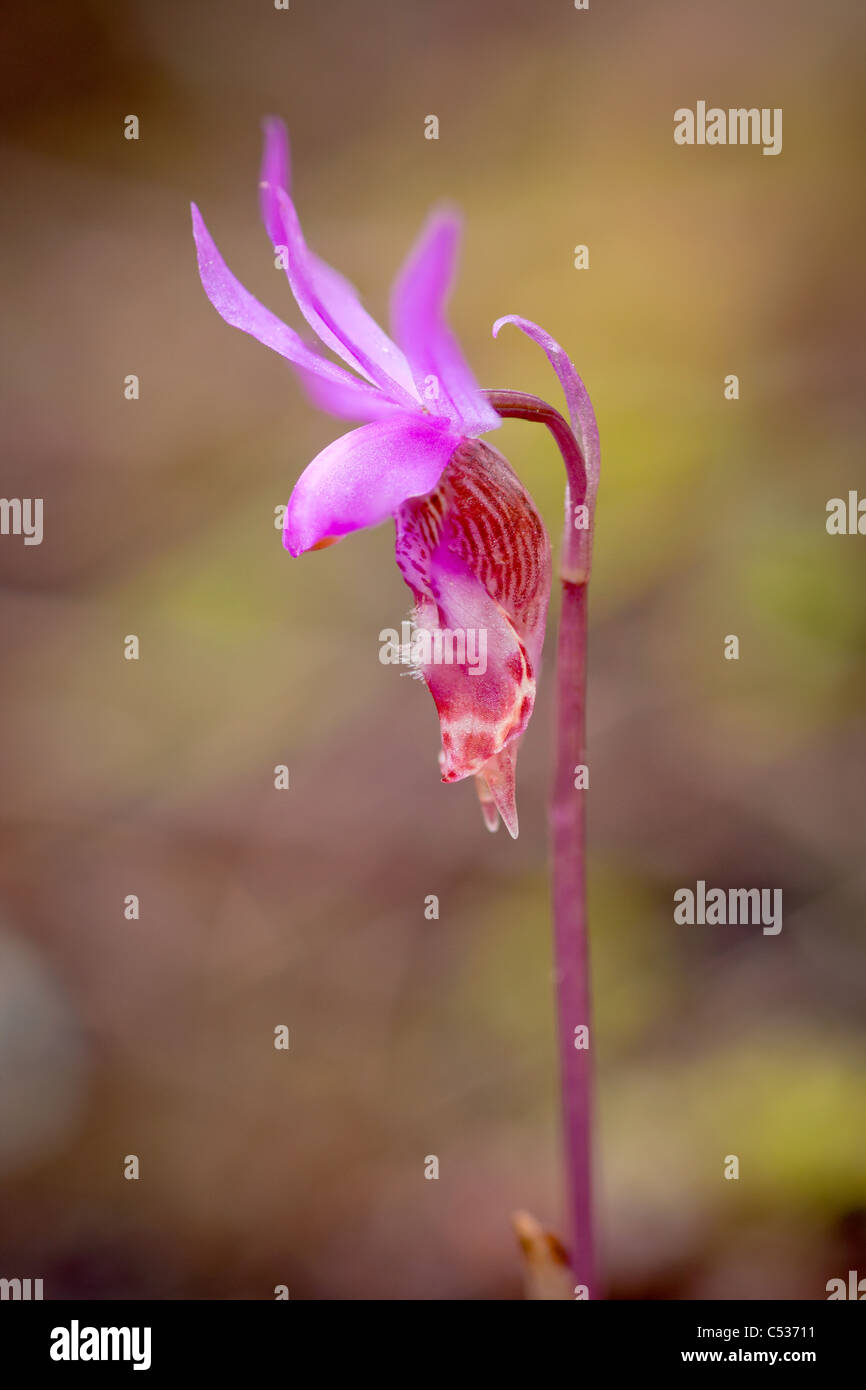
470 543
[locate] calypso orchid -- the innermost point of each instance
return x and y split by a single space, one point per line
470 543
471 547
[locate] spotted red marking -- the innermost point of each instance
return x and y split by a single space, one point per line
481 515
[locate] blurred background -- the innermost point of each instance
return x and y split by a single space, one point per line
412 1037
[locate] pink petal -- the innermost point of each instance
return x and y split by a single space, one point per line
364 477
418 303
580 409
274 174
242 310
333 310
274 179
347 402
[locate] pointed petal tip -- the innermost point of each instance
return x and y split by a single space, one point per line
492 816
580 410
445 216
274 174
292 541
488 808
275 151
297 541
495 804
496 785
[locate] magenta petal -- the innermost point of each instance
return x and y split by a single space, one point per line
363 477
333 310
274 174
273 180
242 310
580 409
348 402
418 303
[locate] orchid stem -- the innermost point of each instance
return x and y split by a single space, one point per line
568 836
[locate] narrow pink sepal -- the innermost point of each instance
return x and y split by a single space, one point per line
242 310
418 302
274 174
358 401
580 410
333 309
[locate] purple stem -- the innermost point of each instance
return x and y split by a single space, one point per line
568 832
